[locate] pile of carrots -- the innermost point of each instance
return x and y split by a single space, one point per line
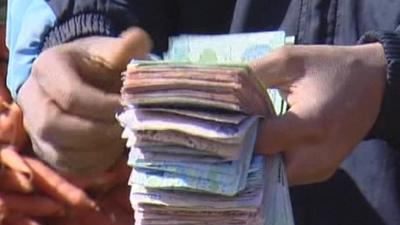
31 193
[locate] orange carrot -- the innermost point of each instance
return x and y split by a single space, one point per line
10 157
57 187
17 219
14 181
32 205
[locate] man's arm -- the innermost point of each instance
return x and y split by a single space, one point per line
66 58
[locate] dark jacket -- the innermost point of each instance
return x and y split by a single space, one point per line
39 24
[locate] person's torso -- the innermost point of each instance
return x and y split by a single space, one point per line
338 22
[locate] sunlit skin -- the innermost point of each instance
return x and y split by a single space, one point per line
77 86
334 95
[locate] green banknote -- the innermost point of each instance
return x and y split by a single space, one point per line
232 48
227 178
247 199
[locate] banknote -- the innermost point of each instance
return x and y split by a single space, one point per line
247 199
253 206
185 142
141 154
226 147
232 48
219 86
186 121
154 148
223 132
167 180
222 117
277 193
225 178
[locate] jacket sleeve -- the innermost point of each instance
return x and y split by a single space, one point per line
387 126
36 25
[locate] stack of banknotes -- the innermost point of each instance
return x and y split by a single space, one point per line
191 126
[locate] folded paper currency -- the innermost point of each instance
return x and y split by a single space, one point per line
191 123
200 86
232 48
160 121
262 202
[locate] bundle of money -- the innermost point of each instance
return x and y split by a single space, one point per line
175 109
191 124
219 86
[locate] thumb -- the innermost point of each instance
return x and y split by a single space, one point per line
115 53
134 43
278 68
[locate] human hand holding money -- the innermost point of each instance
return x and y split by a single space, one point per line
191 125
334 94
70 99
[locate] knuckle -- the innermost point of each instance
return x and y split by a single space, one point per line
67 101
44 125
292 59
42 61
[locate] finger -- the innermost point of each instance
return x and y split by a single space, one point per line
71 93
278 68
78 159
79 155
136 43
74 129
104 59
116 53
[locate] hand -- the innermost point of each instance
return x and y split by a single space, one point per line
334 95
70 99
